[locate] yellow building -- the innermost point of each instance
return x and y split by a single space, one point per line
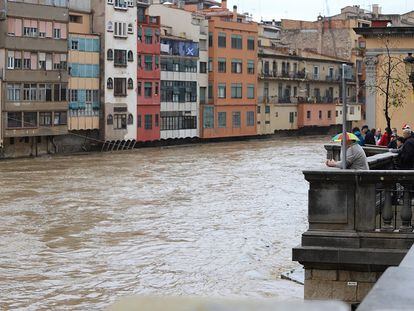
84 49
399 41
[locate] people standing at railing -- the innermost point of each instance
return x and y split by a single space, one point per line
399 143
356 131
406 155
386 138
369 138
393 142
356 158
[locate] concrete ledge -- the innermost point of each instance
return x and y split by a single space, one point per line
206 304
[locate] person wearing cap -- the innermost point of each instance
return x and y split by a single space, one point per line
406 155
356 159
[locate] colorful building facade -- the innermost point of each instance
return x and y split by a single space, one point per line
149 80
231 107
84 71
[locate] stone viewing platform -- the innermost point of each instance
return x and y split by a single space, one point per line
360 223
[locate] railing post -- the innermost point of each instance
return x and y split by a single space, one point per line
387 212
406 213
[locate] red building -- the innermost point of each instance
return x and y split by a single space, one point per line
149 77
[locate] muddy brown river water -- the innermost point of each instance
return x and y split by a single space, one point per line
78 232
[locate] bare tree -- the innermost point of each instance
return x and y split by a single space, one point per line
391 81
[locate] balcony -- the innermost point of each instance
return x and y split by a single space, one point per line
300 75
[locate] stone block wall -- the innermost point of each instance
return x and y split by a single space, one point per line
347 286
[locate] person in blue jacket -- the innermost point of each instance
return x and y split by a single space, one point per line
357 132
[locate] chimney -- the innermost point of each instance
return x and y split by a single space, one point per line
224 4
235 13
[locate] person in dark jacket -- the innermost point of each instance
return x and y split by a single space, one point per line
393 142
369 135
406 155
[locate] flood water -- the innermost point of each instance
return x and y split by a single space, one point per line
78 232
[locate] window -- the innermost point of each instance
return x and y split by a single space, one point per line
316 73
10 60
120 121
73 95
130 119
148 62
203 67
156 89
14 119
120 87
250 67
210 65
258 109
148 36
110 54
139 90
308 115
222 122
250 43
27 61
148 122
120 30
157 120
130 84
210 39
329 114
45 118
139 121
250 91
130 56
13 92
237 42
236 119
331 72
210 90
250 118
222 65
30 119
291 117
110 120
121 4
221 40
30 28
148 89
222 90
120 58
60 118
320 114
56 33
208 117
352 110
236 66
75 19
130 28
29 92
236 90
110 83
110 27
267 109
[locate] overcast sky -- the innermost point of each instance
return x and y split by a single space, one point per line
310 9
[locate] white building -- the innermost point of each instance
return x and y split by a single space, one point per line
184 76
116 21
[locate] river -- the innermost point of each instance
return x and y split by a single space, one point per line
78 232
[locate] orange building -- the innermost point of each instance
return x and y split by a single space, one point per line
231 107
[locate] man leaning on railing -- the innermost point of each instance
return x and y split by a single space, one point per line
356 158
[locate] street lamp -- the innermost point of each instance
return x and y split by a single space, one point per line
409 67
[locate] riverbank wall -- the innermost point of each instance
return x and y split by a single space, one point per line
80 142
